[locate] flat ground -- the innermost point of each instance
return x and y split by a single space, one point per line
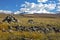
40 20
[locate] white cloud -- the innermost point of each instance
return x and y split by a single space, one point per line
59 0
17 12
58 10
51 6
42 0
37 8
5 11
58 7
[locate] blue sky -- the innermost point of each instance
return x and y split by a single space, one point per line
26 5
12 5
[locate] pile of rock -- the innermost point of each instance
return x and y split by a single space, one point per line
34 29
9 19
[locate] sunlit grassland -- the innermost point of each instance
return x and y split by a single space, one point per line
16 35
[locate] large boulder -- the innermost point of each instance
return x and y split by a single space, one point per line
10 19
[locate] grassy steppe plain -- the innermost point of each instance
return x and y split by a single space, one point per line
23 20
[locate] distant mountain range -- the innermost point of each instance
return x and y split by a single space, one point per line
34 15
26 13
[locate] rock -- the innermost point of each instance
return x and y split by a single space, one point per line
10 19
21 28
46 30
31 29
10 27
30 21
3 30
48 25
56 29
10 31
16 27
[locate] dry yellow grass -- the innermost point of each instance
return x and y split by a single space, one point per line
34 35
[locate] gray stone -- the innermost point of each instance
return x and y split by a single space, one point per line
9 19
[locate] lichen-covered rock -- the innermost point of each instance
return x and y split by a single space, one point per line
9 19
